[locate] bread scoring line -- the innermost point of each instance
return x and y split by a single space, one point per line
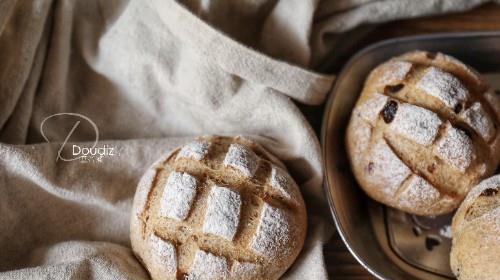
232 252
204 189
209 176
414 171
258 190
455 122
454 119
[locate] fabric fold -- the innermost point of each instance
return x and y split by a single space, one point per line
298 83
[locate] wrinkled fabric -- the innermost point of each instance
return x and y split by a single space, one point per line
141 78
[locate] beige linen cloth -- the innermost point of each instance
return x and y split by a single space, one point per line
150 75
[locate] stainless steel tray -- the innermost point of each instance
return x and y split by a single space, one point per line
389 243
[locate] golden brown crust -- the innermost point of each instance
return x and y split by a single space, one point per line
423 132
260 241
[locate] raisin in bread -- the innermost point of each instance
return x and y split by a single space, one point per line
423 132
475 252
218 208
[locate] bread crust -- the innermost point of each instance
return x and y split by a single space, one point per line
217 208
476 233
424 130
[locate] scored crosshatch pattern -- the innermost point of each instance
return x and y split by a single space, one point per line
415 124
226 209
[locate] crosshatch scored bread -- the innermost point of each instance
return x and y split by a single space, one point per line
475 253
218 208
423 132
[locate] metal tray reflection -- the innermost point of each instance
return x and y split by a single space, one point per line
389 243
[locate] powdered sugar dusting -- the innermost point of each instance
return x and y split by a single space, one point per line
207 266
273 232
444 86
418 193
196 150
242 159
385 169
486 228
370 110
178 196
491 222
282 184
490 183
394 71
243 270
479 120
456 148
416 123
164 253
223 212
361 135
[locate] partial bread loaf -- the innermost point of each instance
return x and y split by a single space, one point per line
475 253
218 208
423 132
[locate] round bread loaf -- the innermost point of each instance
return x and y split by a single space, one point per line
423 132
475 253
218 208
